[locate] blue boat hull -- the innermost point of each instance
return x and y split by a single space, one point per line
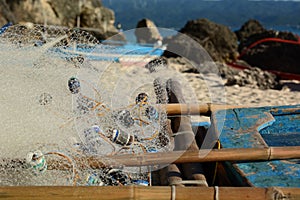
111 53
261 128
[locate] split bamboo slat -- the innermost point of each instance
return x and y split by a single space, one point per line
147 193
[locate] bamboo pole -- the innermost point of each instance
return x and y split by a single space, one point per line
204 155
195 109
207 109
146 193
179 157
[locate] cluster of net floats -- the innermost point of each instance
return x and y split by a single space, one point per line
132 130
103 130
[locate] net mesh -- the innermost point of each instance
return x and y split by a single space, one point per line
62 106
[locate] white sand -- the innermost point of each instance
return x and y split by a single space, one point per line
236 95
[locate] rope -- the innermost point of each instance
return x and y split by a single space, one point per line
268 40
276 194
216 195
269 151
183 132
278 73
173 192
191 182
74 171
216 167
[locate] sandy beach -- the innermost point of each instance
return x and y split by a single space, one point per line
247 95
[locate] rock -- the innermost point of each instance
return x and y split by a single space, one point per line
218 40
255 78
93 16
226 72
251 27
269 55
248 37
147 32
38 12
2 21
100 21
181 45
6 15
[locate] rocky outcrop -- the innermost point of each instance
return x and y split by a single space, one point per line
2 21
147 32
254 78
93 16
269 49
5 13
218 40
251 27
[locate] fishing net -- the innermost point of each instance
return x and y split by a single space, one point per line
66 98
59 108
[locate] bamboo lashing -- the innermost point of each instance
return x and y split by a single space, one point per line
147 193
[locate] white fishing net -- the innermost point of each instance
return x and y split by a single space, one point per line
60 105
66 98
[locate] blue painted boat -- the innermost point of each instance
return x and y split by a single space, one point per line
260 128
113 53
5 27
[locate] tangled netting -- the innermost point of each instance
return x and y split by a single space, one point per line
65 106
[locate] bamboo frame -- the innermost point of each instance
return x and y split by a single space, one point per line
146 193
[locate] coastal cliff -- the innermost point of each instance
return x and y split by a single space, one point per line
86 14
